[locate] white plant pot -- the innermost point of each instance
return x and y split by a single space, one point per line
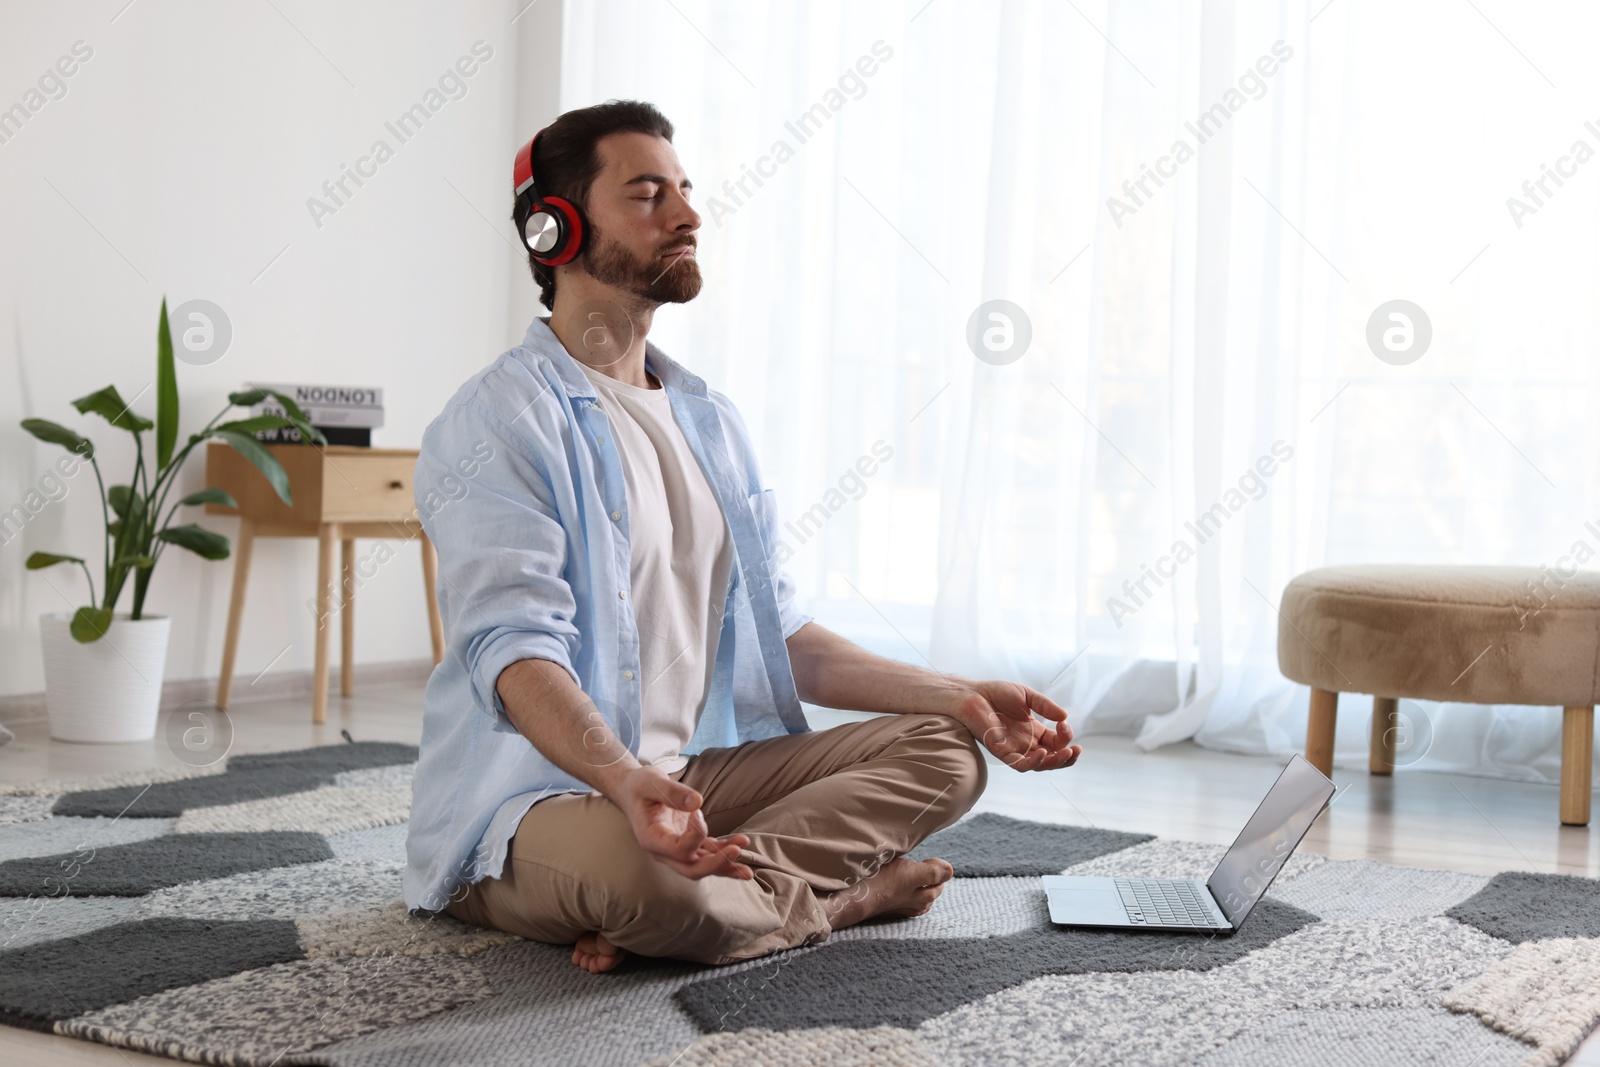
110 689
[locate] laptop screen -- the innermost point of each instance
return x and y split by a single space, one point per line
1291 806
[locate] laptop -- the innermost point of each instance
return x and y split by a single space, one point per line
1221 902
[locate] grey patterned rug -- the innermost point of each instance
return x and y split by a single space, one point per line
251 914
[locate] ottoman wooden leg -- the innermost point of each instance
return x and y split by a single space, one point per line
1319 730
1577 750
1385 721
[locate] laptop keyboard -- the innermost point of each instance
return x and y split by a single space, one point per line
1158 901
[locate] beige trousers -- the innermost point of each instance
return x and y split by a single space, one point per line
823 810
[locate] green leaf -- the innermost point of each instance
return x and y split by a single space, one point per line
255 423
264 461
290 408
114 529
41 560
292 411
90 624
118 496
197 539
54 434
166 392
246 398
310 433
212 495
135 561
108 404
130 514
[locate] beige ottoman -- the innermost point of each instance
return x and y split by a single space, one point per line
1474 635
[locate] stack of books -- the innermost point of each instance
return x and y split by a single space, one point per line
346 414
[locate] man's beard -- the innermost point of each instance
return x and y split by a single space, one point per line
658 281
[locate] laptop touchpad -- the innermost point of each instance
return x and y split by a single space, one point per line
1092 907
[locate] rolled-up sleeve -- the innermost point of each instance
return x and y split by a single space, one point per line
491 513
789 614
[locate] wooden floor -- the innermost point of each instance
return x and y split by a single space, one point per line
1414 819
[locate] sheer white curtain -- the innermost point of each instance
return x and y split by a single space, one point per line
1197 207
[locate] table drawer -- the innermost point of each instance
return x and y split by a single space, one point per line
332 483
372 487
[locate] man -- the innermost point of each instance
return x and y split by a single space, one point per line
613 753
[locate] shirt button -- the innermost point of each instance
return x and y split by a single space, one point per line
599 440
628 675
622 594
616 514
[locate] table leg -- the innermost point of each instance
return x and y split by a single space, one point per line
326 534
1385 727
347 617
241 578
430 578
1577 752
1319 730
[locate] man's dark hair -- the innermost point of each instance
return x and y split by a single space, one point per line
568 161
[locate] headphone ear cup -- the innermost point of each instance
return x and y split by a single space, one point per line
568 226
543 230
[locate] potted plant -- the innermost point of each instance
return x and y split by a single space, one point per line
103 682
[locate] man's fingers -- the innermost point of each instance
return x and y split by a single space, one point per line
1013 751
672 793
1019 760
677 847
725 861
695 828
1064 758
697 823
731 845
1042 739
1032 745
1043 756
714 861
667 840
1055 756
690 850
681 796
1046 707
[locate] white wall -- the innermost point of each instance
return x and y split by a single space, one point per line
178 163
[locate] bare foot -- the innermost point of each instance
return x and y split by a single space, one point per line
901 888
595 954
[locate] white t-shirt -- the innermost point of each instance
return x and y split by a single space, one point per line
682 553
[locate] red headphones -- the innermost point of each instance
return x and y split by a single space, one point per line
554 230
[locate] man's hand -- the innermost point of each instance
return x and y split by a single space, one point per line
666 820
1001 716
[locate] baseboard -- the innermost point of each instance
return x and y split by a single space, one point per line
276 685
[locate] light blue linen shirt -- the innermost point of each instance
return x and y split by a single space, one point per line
520 487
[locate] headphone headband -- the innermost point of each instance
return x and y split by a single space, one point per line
522 171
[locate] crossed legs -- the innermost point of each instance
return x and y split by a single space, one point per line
828 814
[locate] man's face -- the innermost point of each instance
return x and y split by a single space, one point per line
640 221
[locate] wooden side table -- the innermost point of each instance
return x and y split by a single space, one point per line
340 493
